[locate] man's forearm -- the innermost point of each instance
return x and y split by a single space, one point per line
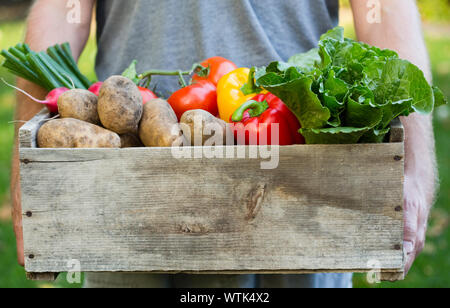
406 38
399 28
46 25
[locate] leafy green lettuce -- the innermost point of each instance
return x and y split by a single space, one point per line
348 92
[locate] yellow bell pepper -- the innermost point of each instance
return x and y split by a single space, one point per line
229 92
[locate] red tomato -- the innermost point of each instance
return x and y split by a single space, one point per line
218 66
147 95
200 95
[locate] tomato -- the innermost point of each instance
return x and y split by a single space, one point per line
147 95
200 95
218 67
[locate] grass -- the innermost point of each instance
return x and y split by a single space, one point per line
432 268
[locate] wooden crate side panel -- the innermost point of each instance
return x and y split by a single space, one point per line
142 210
28 132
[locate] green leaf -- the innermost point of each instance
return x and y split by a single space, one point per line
346 91
336 33
306 61
375 136
299 97
392 110
362 115
338 135
402 80
336 87
131 72
439 98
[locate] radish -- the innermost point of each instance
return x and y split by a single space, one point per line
51 100
95 88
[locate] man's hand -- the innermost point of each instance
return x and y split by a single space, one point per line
389 30
47 25
415 219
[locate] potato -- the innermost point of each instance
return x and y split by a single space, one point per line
159 125
131 141
120 105
79 104
73 133
203 126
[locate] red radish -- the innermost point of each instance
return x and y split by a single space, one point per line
51 100
147 95
95 88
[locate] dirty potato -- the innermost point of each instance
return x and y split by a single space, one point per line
79 104
203 127
120 105
159 125
73 133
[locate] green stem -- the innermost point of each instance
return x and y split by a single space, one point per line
181 79
150 73
256 109
250 87
162 73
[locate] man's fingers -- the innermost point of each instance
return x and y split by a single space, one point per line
411 219
409 262
415 222
411 226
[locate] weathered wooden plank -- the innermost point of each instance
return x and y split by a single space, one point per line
28 132
397 133
325 208
42 276
392 276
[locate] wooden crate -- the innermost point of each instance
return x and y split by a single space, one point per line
326 208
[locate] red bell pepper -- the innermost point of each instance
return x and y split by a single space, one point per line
267 109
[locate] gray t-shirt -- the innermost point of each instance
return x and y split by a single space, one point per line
174 34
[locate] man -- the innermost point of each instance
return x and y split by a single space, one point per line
174 34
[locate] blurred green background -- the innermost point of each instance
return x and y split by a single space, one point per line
432 268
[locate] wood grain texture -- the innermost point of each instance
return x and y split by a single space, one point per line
42 276
325 208
28 132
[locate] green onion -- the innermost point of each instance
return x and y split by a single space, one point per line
15 64
68 53
62 67
42 72
54 69
18 54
